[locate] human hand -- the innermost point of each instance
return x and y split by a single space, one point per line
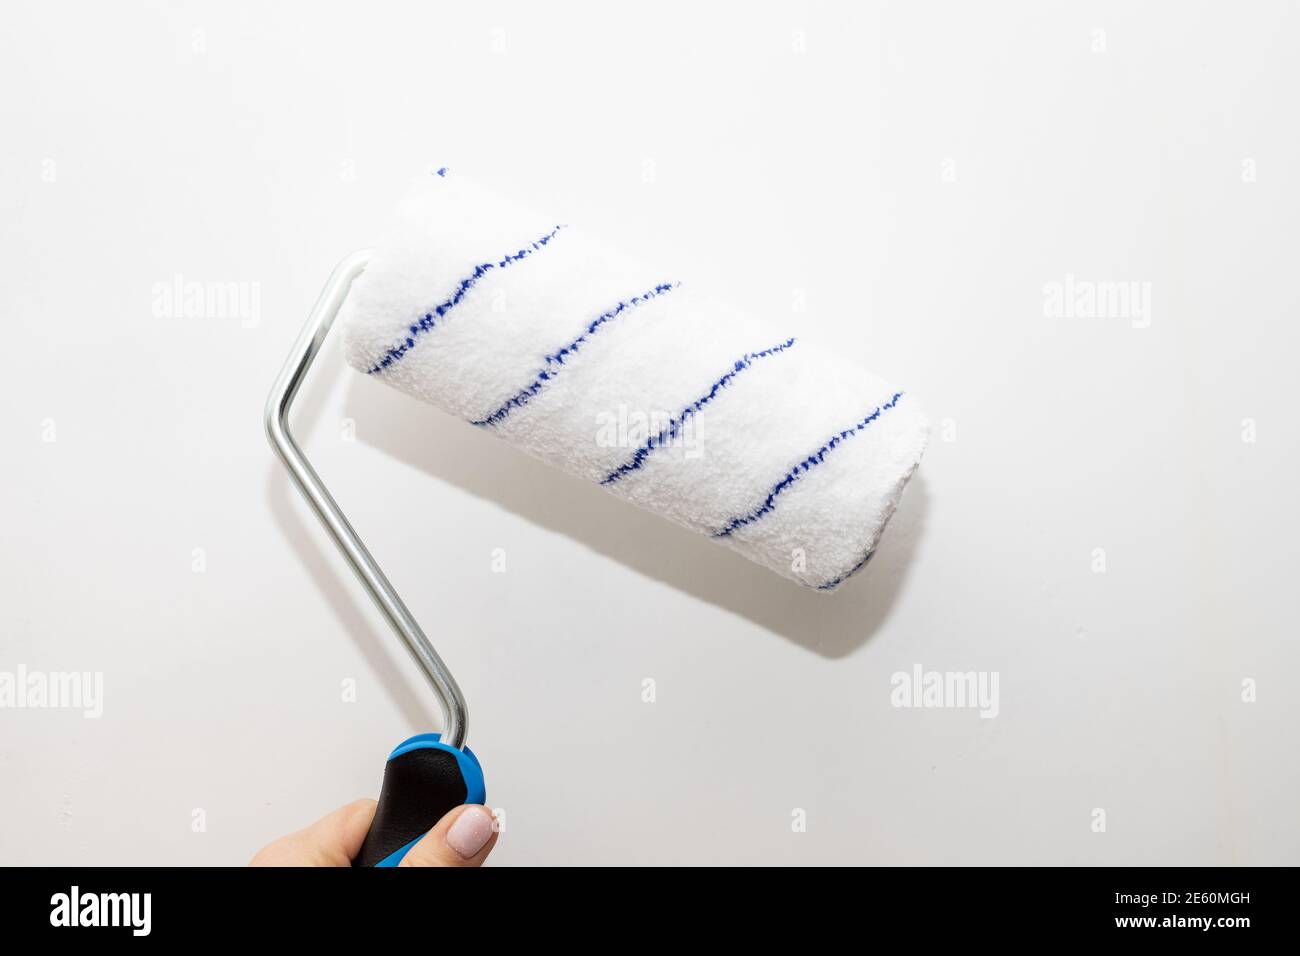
464 837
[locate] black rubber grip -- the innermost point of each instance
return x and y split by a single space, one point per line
420 786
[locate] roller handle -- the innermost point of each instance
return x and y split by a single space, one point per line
423 779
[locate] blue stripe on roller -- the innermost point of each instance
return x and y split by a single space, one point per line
805 466
670 431
470 770
831 585
430 319
555 361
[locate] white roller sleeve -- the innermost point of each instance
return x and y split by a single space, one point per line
623 375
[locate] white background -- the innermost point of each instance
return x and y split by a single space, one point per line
917 173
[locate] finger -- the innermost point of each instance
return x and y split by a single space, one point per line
353 827
333 840
464 837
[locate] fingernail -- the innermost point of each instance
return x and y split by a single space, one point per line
470 831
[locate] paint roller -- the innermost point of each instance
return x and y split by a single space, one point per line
530 329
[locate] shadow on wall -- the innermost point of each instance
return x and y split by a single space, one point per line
832 625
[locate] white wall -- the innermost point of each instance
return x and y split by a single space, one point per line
259 143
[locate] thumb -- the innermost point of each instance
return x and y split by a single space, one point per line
464 837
